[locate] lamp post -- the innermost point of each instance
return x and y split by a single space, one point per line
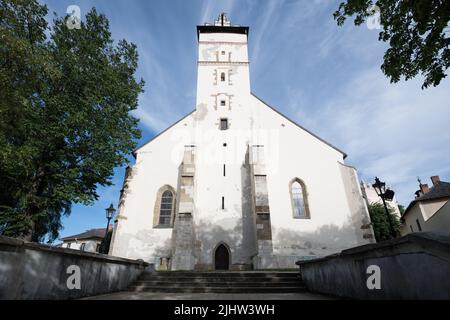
380 189
109 214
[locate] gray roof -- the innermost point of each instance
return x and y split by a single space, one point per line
89 234
440 190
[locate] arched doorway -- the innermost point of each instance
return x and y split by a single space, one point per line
222 258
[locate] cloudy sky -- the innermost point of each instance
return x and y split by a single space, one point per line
325 77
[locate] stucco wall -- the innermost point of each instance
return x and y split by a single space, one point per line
34 271
416 266
438 221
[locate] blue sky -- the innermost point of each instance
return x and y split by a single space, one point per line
325 77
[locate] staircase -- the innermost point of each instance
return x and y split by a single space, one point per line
219 282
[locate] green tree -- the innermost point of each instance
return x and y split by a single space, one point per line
106 242
380 222
417 32
65 123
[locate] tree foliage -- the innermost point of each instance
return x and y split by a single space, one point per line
106 242
65 123
417 31
380 222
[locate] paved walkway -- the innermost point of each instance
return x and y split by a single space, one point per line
126 295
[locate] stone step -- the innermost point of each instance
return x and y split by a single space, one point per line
217 289
178 274
156 283
219 282
222 279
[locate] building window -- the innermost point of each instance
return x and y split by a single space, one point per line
223 52
223 124
222 103
412 230
163 214
224 170
222 76
418 225
97 248
223 203
83 246
299 199
69 244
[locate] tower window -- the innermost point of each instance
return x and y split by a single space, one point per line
224 170
222 103
223 52
223 203
222 76
223 124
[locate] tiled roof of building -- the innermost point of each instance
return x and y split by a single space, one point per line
440 190
89 234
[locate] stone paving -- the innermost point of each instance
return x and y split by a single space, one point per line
126 295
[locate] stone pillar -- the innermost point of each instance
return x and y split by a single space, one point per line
183 235
265 258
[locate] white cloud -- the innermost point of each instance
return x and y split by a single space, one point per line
395 131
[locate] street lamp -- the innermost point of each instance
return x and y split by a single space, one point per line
109 214
380 189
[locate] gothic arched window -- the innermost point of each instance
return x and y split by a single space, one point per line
299 199
164 212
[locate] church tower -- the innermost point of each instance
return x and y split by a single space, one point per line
222 132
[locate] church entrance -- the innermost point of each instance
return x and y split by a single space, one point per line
222 258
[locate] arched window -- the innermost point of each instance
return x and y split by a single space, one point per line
299 199
163 214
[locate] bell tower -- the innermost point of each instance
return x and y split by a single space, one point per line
223 66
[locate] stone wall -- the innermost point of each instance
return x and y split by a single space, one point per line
416 266
35 271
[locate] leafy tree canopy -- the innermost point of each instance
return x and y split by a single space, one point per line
380 222
417 31
65 123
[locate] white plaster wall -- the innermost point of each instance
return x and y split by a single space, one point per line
293 152
156 165
438 221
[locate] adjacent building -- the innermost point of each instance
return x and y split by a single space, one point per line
87 241
235 184
430 210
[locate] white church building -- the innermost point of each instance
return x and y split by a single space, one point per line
235 184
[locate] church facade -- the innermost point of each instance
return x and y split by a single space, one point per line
235 184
